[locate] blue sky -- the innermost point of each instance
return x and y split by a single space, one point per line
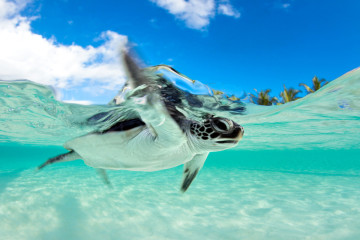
232 46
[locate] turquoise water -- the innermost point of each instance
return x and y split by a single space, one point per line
295 175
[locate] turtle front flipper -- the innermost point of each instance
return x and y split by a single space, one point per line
146 99
134 72
191 169
70 156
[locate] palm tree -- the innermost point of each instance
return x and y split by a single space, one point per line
233 98
289 95
316 84
263 98
217 92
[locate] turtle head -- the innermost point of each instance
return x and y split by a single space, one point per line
215 134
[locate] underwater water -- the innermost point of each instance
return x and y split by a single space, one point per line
294 175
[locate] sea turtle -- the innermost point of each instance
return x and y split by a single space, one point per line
154 136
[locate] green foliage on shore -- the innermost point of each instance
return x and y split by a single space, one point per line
287 95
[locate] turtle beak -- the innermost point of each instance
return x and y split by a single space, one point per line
234 137
241 133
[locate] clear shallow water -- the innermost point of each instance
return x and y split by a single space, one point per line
295 175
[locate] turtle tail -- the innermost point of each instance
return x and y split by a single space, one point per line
70 156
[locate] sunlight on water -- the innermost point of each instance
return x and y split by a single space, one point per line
295 174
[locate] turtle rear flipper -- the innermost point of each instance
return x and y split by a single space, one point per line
70 156
102 173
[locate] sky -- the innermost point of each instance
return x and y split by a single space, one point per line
230 45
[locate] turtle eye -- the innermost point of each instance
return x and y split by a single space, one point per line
222 125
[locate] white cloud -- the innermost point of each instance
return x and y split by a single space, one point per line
197 13
26 55
82 102
228 10
9 9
